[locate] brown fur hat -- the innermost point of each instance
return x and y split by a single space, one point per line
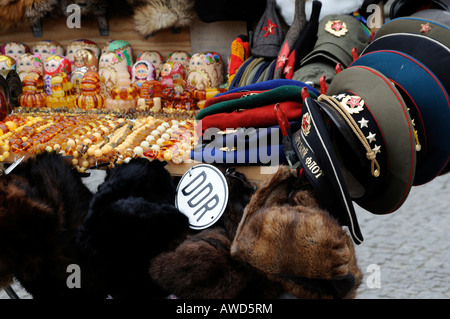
284 234
162 14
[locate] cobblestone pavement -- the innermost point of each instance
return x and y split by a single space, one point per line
405 254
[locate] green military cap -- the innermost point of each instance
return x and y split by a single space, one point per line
379 179
336 37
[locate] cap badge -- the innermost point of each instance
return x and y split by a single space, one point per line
269 28
354 104
306 124
425 28
336 27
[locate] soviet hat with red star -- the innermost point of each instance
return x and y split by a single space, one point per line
268 36
373 137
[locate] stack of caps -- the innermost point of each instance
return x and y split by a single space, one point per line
241 127
414 53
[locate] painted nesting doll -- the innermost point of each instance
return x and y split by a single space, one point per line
182 57
54 64
75 45
142 71
7 64
47 48
29 62
173 74
84 60
120 47
154 57
205 71
14 49
110 66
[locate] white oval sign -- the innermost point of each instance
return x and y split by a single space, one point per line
202 195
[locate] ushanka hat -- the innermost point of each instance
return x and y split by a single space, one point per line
321 167
336 37
268 36
430 100
373 139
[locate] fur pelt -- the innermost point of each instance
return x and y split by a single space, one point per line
24 12
131 219
42 203
162 14
286 235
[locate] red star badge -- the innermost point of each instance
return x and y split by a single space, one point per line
306 124
269 28
425 28
354 101
337 25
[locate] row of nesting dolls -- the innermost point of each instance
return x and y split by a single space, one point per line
201 70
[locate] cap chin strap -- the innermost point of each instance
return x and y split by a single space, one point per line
371 156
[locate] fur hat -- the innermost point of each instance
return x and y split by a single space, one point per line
131 219
287 236
162 14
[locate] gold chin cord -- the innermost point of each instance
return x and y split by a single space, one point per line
370 154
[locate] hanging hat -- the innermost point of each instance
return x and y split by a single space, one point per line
374 106
434 30
308 37
268 36
321 167
336 37
431 53
429 97
291 36
403 8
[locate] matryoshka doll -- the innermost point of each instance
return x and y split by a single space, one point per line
154 57
110 66
54 64
84 60
173 75
142 71
120 47
47 48
75 45
205 71
7 64
29 62
182 57
14 49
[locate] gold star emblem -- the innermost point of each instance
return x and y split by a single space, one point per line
336 27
